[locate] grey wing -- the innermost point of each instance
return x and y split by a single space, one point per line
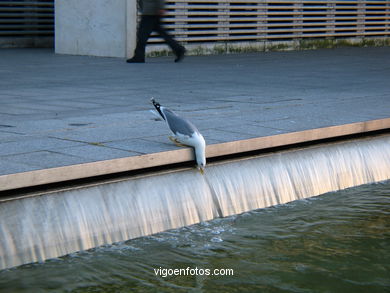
178 124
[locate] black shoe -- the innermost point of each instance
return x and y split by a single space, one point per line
136 60
180 54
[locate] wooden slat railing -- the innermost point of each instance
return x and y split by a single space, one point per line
26 18
226 21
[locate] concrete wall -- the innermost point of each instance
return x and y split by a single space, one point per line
108 28
95 27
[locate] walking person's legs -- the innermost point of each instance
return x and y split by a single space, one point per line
178 49
147 23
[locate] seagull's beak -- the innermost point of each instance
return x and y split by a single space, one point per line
201 170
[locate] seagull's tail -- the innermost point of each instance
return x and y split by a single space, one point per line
157 106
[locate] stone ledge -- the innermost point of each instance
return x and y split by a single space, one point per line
87 170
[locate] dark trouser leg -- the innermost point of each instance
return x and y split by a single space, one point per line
175 46
145 28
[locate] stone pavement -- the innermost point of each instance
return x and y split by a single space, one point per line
58 110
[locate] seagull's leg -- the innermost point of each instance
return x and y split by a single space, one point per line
171 138
181 145
176 142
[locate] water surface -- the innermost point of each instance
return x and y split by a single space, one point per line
337 242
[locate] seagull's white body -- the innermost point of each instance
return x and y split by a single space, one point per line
197 142
185 133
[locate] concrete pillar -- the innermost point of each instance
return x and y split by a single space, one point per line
95 27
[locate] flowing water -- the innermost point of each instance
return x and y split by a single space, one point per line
52 225
337 242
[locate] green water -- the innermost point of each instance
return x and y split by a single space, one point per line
337 242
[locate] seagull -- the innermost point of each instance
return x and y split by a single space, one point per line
184 134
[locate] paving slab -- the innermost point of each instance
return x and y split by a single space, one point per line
61 110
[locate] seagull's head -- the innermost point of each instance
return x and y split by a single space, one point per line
201 167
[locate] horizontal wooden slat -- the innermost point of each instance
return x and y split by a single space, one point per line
276 2
6 10
266 14
274 31
31 15
30 32
273 37
22 26
26 20
379 24
255 6
272 20
26 3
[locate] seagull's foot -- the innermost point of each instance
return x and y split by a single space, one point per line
176 142
171 138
